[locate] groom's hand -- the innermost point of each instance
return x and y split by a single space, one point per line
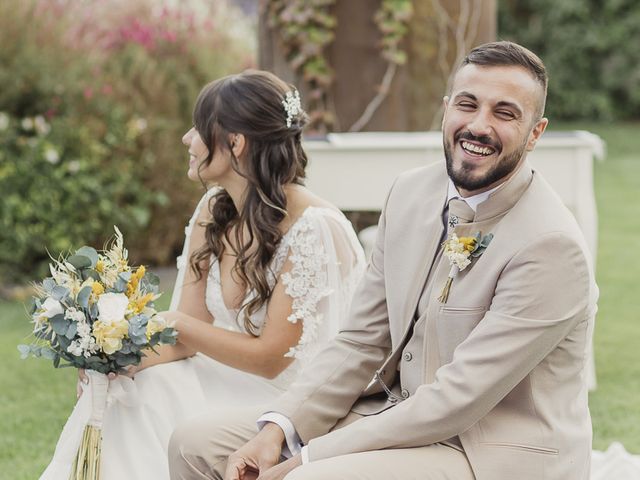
278 472
257 455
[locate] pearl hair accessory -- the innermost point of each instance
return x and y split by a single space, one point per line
291 104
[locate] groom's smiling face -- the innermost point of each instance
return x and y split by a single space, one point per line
491 120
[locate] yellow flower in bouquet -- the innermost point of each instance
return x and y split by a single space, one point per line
97 288
109 335
156 325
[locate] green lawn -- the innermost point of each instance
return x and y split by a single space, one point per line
615 405
36 399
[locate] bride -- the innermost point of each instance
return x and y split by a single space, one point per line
266 274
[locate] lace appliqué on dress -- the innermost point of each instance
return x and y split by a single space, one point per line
306 283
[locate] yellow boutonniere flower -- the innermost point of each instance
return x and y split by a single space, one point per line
460 251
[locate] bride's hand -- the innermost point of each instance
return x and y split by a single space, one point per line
83 378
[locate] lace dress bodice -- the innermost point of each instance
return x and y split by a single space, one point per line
318 278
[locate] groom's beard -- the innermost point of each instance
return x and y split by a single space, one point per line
464 177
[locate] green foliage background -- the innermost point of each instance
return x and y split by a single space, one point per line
95 99
591 49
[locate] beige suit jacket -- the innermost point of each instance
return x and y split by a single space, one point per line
503 362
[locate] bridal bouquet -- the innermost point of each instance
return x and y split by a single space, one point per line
96 312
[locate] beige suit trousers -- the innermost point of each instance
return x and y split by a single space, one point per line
199 449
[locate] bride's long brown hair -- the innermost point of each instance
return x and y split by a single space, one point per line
249 103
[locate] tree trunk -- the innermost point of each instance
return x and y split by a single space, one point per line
440 33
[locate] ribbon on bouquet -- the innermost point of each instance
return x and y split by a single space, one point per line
123 390
86 465
102 393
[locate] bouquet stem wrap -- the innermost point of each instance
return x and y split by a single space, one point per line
86 465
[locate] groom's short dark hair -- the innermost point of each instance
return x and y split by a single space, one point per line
504 53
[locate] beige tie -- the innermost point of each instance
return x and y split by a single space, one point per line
459 212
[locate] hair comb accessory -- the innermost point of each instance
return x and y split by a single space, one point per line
291 104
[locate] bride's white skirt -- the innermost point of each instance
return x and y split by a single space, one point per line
142 415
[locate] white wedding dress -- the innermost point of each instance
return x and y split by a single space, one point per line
326 262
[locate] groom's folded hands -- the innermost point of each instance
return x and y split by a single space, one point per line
257 456
279 471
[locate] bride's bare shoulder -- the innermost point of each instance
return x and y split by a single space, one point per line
300 198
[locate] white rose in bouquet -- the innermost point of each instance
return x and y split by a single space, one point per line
112 307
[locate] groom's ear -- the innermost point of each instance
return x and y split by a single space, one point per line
238 143
445 104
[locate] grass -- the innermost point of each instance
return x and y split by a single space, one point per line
615 405
35 399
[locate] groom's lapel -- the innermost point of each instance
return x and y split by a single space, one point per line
429 232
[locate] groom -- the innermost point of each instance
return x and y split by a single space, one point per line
478 358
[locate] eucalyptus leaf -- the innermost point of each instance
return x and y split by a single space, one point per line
90 253
83 296
59 324
120 285
89 273
59 292
125 359
48 284
79 261
72 330
96 359
63 343
138 329
129 347
96 364
152 279
486 240
48 353
24 350
169 336
56 361
70 358
126 276
155 338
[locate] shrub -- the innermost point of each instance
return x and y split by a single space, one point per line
96 96
590 49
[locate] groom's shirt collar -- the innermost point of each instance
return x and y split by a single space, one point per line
474 200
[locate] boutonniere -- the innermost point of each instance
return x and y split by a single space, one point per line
460 251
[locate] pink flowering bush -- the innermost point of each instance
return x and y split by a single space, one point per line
96 96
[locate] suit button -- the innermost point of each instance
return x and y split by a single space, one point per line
407 356
404 393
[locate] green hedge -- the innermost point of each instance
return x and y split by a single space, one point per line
591 49
95 98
